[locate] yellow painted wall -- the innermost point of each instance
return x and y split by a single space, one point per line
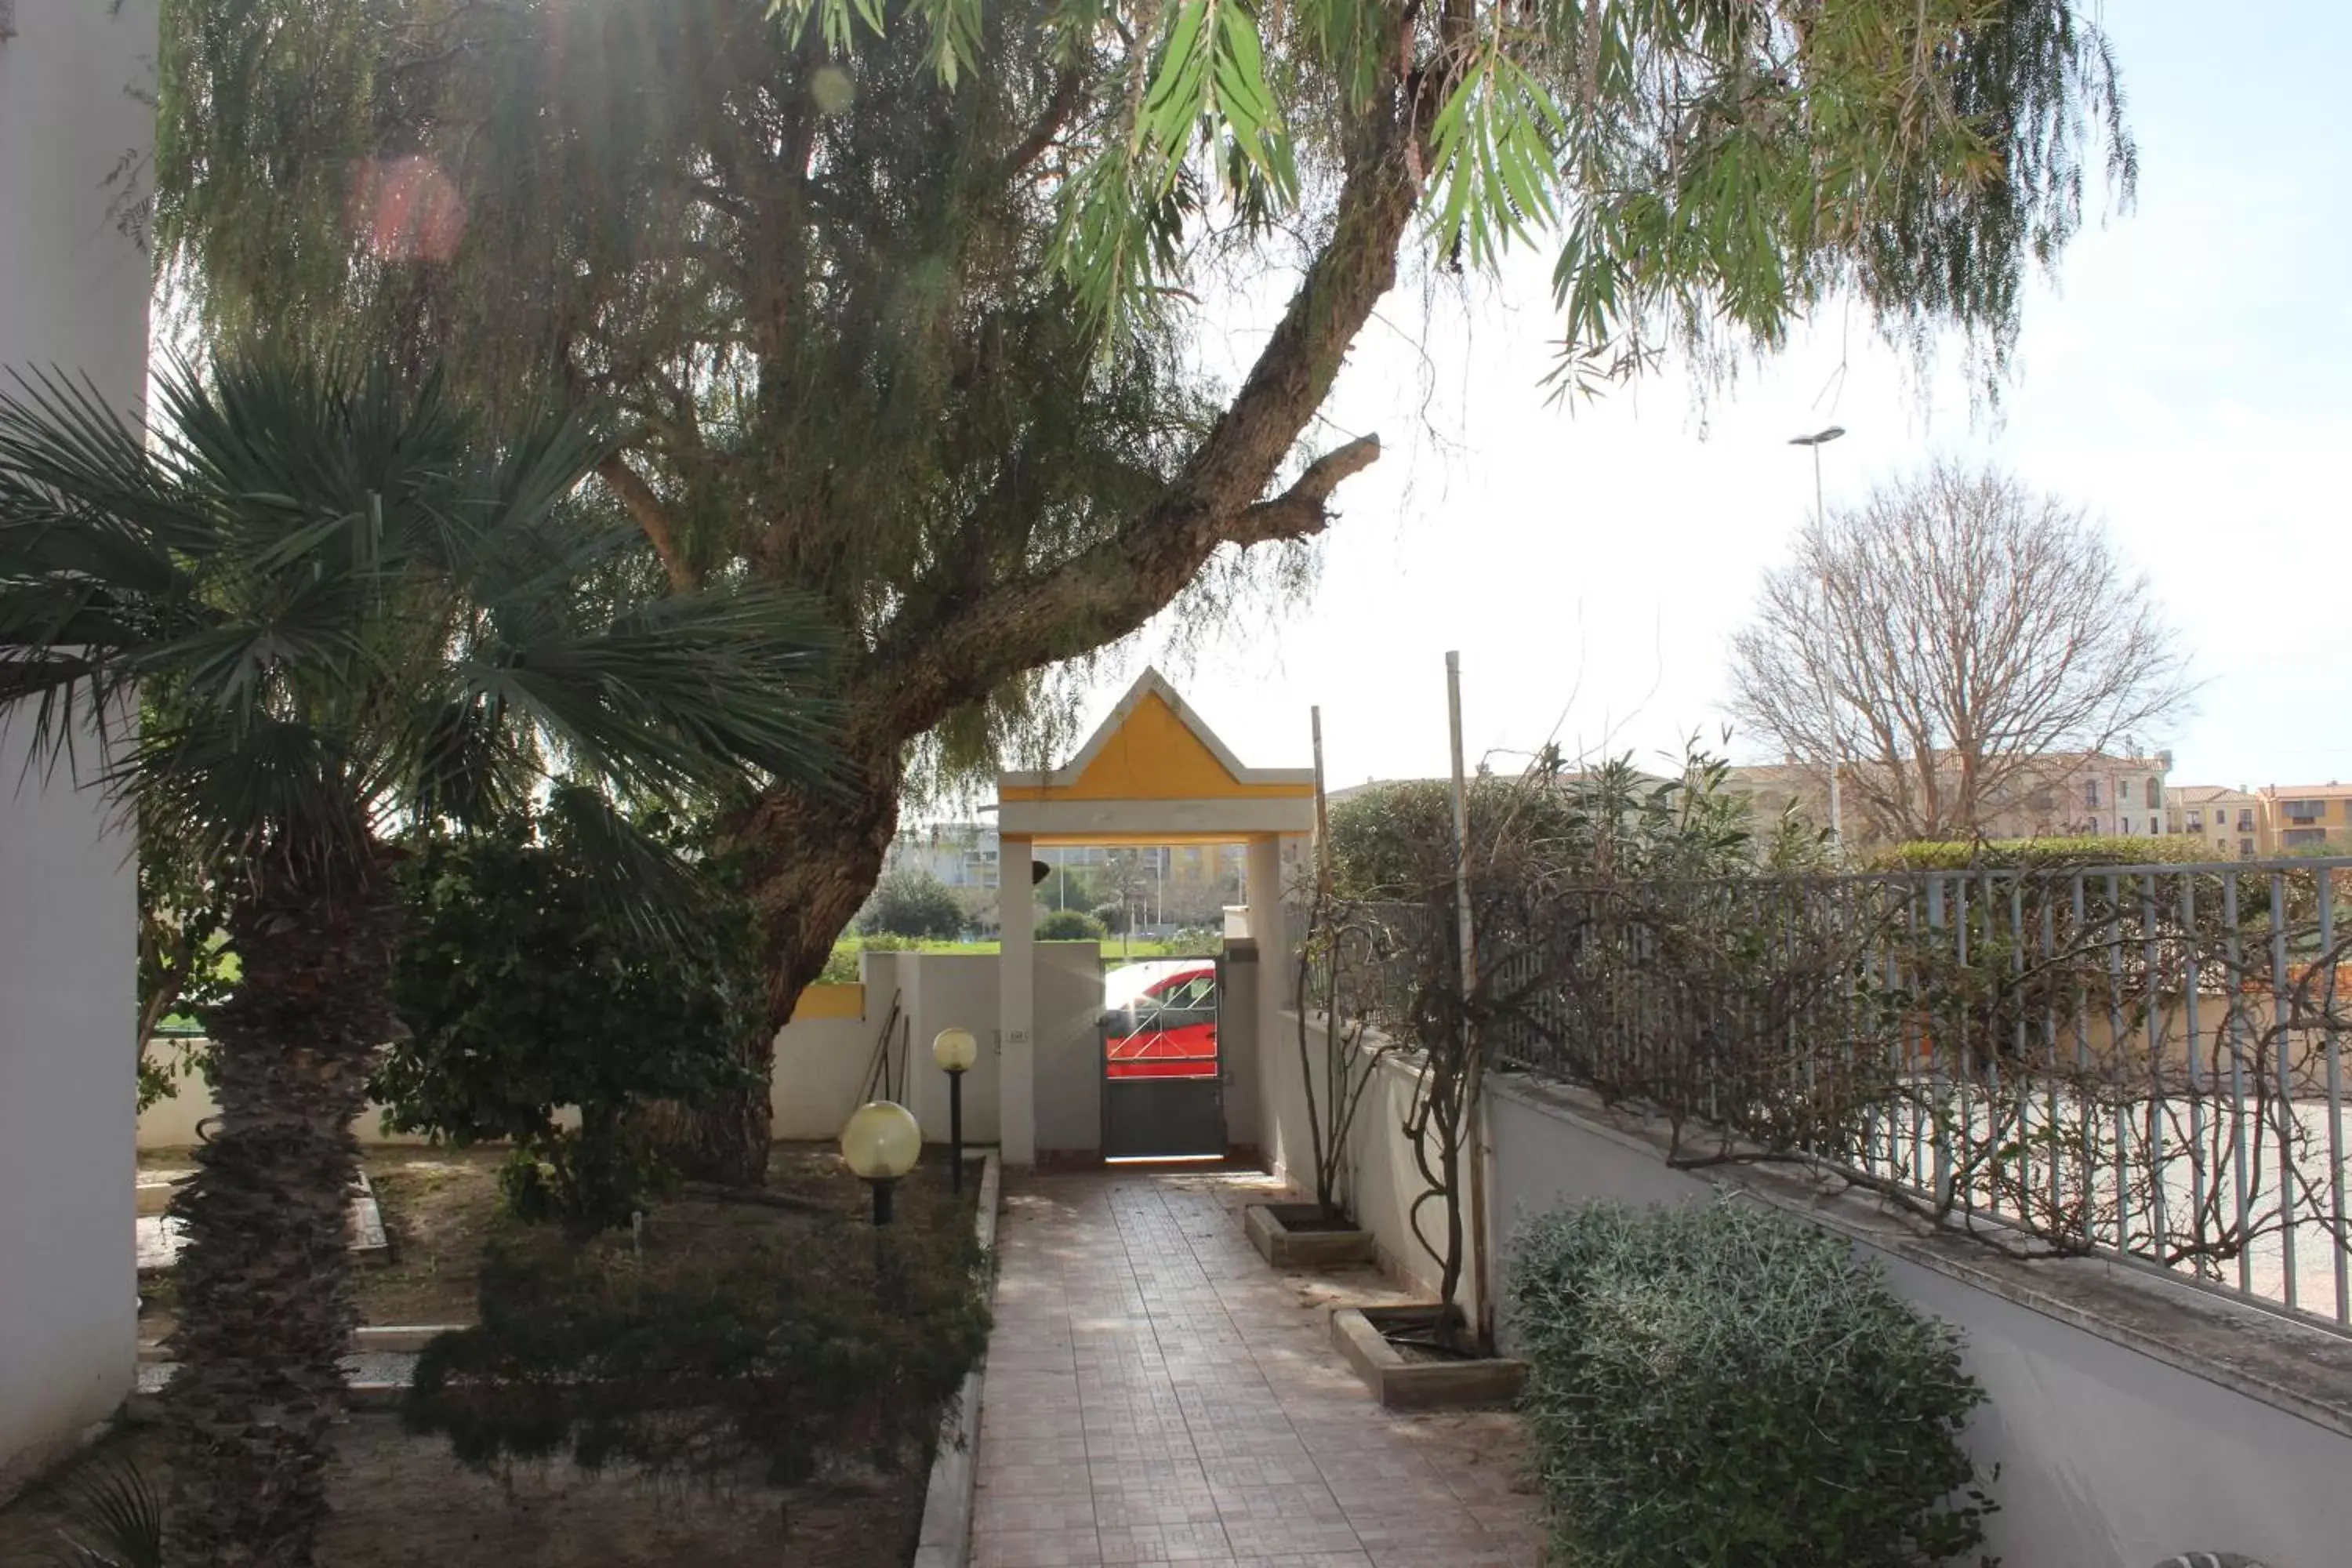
831 1002
1154 755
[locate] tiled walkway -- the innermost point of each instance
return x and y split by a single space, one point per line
1156 1393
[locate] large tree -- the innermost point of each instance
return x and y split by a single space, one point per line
1951 642
897 293
346 614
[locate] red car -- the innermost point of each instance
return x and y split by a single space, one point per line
1160 1019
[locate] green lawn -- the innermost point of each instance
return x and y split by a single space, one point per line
842 969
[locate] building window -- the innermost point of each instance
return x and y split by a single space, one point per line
2245 819
2300 837
2090 791
2151 827
2245 848
2196 822
2154 793
2095 827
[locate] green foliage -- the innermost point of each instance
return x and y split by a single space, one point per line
892 296
2037 854
527 988
338 604
914 904
1395 841
1070 925
183 916
1069 888
1719 1386
841 965
695 1357
1698 160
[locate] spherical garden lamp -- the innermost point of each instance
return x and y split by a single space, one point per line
881 1143
955 1050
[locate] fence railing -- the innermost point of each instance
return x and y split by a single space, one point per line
2141 1061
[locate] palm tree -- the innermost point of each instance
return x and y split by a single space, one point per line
344 614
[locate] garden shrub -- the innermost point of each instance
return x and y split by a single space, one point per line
1719 1386
527 987
2057 853
692 1358
1070 925
914 904
841 966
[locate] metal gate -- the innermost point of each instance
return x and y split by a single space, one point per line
1163 1081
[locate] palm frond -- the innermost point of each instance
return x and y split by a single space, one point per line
664 695
345 608
116 1520
638 879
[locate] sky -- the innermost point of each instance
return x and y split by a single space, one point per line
2181 378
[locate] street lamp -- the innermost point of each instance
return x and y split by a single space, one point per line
881 1143
955 1050
1817 440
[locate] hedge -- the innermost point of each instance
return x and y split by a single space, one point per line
1717 1385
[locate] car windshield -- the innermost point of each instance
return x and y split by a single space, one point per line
1124 987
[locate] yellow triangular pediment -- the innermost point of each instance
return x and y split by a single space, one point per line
1153 748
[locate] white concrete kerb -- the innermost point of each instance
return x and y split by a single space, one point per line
945 1538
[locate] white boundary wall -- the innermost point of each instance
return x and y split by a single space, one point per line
73 296
2114 1452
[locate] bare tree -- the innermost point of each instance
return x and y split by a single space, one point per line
1946 643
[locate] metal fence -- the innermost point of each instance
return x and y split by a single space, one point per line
2141 1061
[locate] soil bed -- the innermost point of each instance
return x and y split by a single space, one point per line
402 1499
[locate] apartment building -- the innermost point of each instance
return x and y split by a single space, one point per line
1169 884
2231 821
2059 793
2308 817
960 854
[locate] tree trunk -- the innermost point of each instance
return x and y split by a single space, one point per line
813 860
266 1311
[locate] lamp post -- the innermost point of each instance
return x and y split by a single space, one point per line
881 1143
955 1050
1817 440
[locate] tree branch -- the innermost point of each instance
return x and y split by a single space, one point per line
928 665
1304 510
1057 112
647 509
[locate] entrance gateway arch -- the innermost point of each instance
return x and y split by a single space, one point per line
1151 773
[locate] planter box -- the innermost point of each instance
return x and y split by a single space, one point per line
1404 1382
1295 1235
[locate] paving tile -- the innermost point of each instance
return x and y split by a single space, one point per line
1135 1510
1030 1480
1157 1398
1193 1540
1000 1512
1423 1556
1271 1537
1035 1549
1311 1502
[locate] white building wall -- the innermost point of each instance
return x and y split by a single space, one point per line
822 1065
2108 1458
73 296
